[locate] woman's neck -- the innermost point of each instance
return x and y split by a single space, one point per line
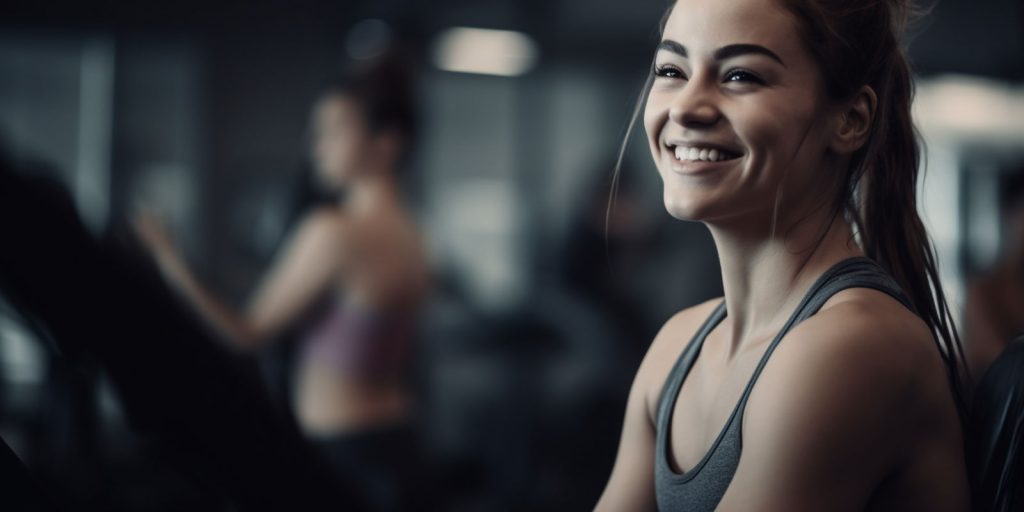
371 190
765 275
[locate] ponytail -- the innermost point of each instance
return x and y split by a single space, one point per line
878 191
891 230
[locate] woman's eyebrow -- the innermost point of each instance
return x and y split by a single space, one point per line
725 52
735 50
672 46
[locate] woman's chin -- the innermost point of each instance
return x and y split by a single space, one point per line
332 181
684 208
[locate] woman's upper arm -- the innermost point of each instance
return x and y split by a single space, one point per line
309 265
631 485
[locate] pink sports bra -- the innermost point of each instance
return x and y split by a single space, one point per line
359 341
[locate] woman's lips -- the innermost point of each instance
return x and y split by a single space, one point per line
694 158
703 154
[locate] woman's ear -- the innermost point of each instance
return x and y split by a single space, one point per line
855 121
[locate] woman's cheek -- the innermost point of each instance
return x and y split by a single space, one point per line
655 117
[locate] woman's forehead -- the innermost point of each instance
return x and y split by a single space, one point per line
703 26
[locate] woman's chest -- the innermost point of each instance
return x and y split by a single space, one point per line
708 400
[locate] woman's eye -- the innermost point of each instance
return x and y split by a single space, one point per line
669 72
740 75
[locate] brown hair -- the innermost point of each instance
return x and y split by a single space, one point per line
857 44
384 87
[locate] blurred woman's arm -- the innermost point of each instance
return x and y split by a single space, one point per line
308 266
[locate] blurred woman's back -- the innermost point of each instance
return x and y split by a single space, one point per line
349 282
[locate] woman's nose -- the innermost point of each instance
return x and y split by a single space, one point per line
694 106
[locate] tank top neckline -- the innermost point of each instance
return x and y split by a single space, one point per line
689 357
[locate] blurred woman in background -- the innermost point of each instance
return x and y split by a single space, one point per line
352 276
829 376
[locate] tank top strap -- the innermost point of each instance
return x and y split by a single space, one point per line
858 272
854 273
683 364
702 486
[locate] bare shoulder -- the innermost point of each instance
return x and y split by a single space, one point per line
668 344
681 325
860 388
864 361
324 218
869 332
324 226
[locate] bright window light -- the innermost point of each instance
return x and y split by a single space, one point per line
966 108
485 51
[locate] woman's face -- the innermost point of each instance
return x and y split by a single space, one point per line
736 109
340 139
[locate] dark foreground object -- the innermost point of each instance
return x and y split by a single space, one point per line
997 437
176 383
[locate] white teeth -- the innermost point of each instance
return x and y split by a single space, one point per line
705 154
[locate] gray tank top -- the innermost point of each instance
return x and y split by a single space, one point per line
702 487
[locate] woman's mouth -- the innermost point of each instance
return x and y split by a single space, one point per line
702 153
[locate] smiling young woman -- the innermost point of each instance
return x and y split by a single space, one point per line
829 376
